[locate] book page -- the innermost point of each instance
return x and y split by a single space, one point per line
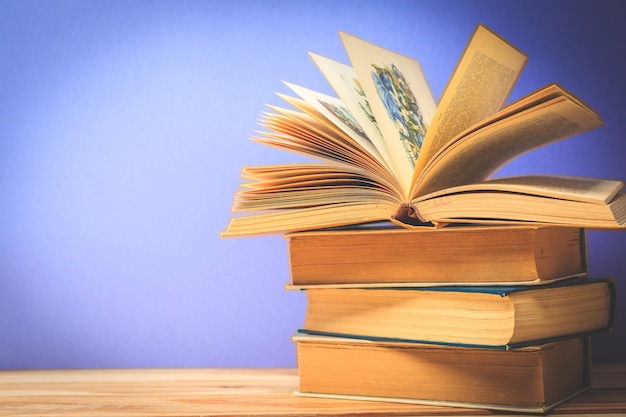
303 176
334 111
478 155
357 208
400 99
343 80
586 189
303 196
501 207
480 84
535 98
301 133
298 132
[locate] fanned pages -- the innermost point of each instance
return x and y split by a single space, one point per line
400 100
328 109
343 79
465 102
384 151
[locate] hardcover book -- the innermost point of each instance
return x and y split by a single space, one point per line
495 317
532 379
380 255
388 151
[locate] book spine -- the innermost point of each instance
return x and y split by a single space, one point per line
408 214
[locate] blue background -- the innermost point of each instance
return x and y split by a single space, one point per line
123 127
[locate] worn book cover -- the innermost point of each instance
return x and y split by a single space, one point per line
533 379
384 255
496 317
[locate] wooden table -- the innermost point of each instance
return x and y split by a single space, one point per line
234 392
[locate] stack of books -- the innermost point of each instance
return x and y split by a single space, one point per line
493 317
475 289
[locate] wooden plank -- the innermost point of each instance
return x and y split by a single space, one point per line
233 392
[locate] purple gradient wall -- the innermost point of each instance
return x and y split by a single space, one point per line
123 126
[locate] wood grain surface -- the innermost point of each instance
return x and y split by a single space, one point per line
235 392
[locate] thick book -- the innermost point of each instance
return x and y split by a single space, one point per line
380 254
490 317
532 379
386 150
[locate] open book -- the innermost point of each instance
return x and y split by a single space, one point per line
387 151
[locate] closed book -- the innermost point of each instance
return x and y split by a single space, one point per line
384 255
530 379
496 317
